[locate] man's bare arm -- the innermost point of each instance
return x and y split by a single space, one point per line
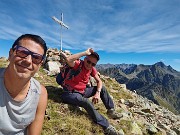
36 126
71 59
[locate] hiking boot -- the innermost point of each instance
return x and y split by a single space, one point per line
111 131
113 114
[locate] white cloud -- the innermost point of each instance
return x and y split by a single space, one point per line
122 26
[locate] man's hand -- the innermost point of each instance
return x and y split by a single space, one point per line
96 98
64 55
89 51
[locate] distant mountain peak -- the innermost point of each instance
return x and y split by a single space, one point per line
162 79
161 64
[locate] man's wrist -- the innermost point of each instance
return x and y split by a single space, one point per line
85 53
98 90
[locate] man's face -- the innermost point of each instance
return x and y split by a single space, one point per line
90 62
24 60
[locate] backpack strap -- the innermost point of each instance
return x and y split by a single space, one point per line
70 73
63 73
74 72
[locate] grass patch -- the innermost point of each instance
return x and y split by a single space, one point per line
165 104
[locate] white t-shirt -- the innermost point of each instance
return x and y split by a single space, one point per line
16 116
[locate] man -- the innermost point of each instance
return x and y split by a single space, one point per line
76 93
23 99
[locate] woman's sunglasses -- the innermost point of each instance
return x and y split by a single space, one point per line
24 52
89 62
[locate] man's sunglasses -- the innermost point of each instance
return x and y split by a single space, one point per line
24 52
89 62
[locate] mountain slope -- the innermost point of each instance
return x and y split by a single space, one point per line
149 80
140 115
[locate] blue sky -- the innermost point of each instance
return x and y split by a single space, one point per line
121 31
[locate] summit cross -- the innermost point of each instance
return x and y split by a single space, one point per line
62 25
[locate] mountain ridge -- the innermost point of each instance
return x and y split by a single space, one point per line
148 80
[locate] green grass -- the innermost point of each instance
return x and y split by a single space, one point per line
164 103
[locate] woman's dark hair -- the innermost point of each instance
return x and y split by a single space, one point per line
95 55
34 38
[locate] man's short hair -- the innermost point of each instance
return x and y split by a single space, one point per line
34 38
95 55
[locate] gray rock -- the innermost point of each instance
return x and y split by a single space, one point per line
151 129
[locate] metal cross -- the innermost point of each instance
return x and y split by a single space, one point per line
62 25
